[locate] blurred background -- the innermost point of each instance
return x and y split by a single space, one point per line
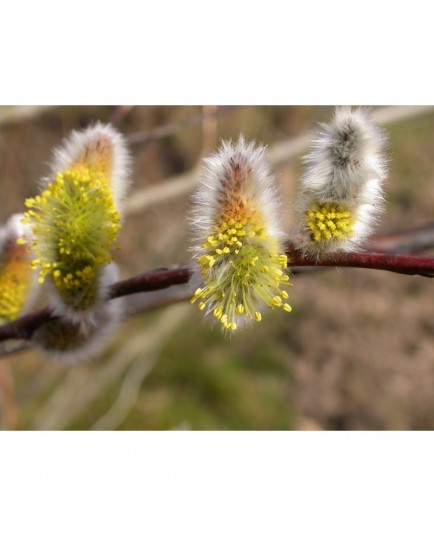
356 353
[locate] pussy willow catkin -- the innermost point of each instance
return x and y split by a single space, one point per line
17 282
76 217
340 194
240 260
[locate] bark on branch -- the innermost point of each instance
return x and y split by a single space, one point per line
24 327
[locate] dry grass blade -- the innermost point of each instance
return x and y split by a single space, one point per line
15 114
81 386
179 185
9 410
147 359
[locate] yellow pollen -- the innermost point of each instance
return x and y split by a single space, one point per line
75 224
329 221
240 275
14 287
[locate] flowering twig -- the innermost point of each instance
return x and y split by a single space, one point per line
24 327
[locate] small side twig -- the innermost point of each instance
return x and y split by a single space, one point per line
165 131
410 240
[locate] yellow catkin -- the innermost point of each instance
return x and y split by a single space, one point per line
241 266
239 245
74 223
15 281
329 221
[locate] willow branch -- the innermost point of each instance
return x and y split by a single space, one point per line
165 131
148 281
400 264
24 327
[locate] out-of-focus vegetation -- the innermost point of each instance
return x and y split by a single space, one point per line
357 352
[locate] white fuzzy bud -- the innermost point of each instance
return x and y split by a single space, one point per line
340 195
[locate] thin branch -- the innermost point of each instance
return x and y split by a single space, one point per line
120 113
148 281
401 264
24 327
410 240
165 131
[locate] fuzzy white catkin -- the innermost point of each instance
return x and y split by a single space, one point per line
239 252
76 217
346 167
212 191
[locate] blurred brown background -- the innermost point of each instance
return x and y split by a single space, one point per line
357 353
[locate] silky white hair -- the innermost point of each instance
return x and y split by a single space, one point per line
98 137
237 172
250 159
12 230
347 166
107 275
92 332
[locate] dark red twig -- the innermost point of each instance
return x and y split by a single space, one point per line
401 264
148 281
24 327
